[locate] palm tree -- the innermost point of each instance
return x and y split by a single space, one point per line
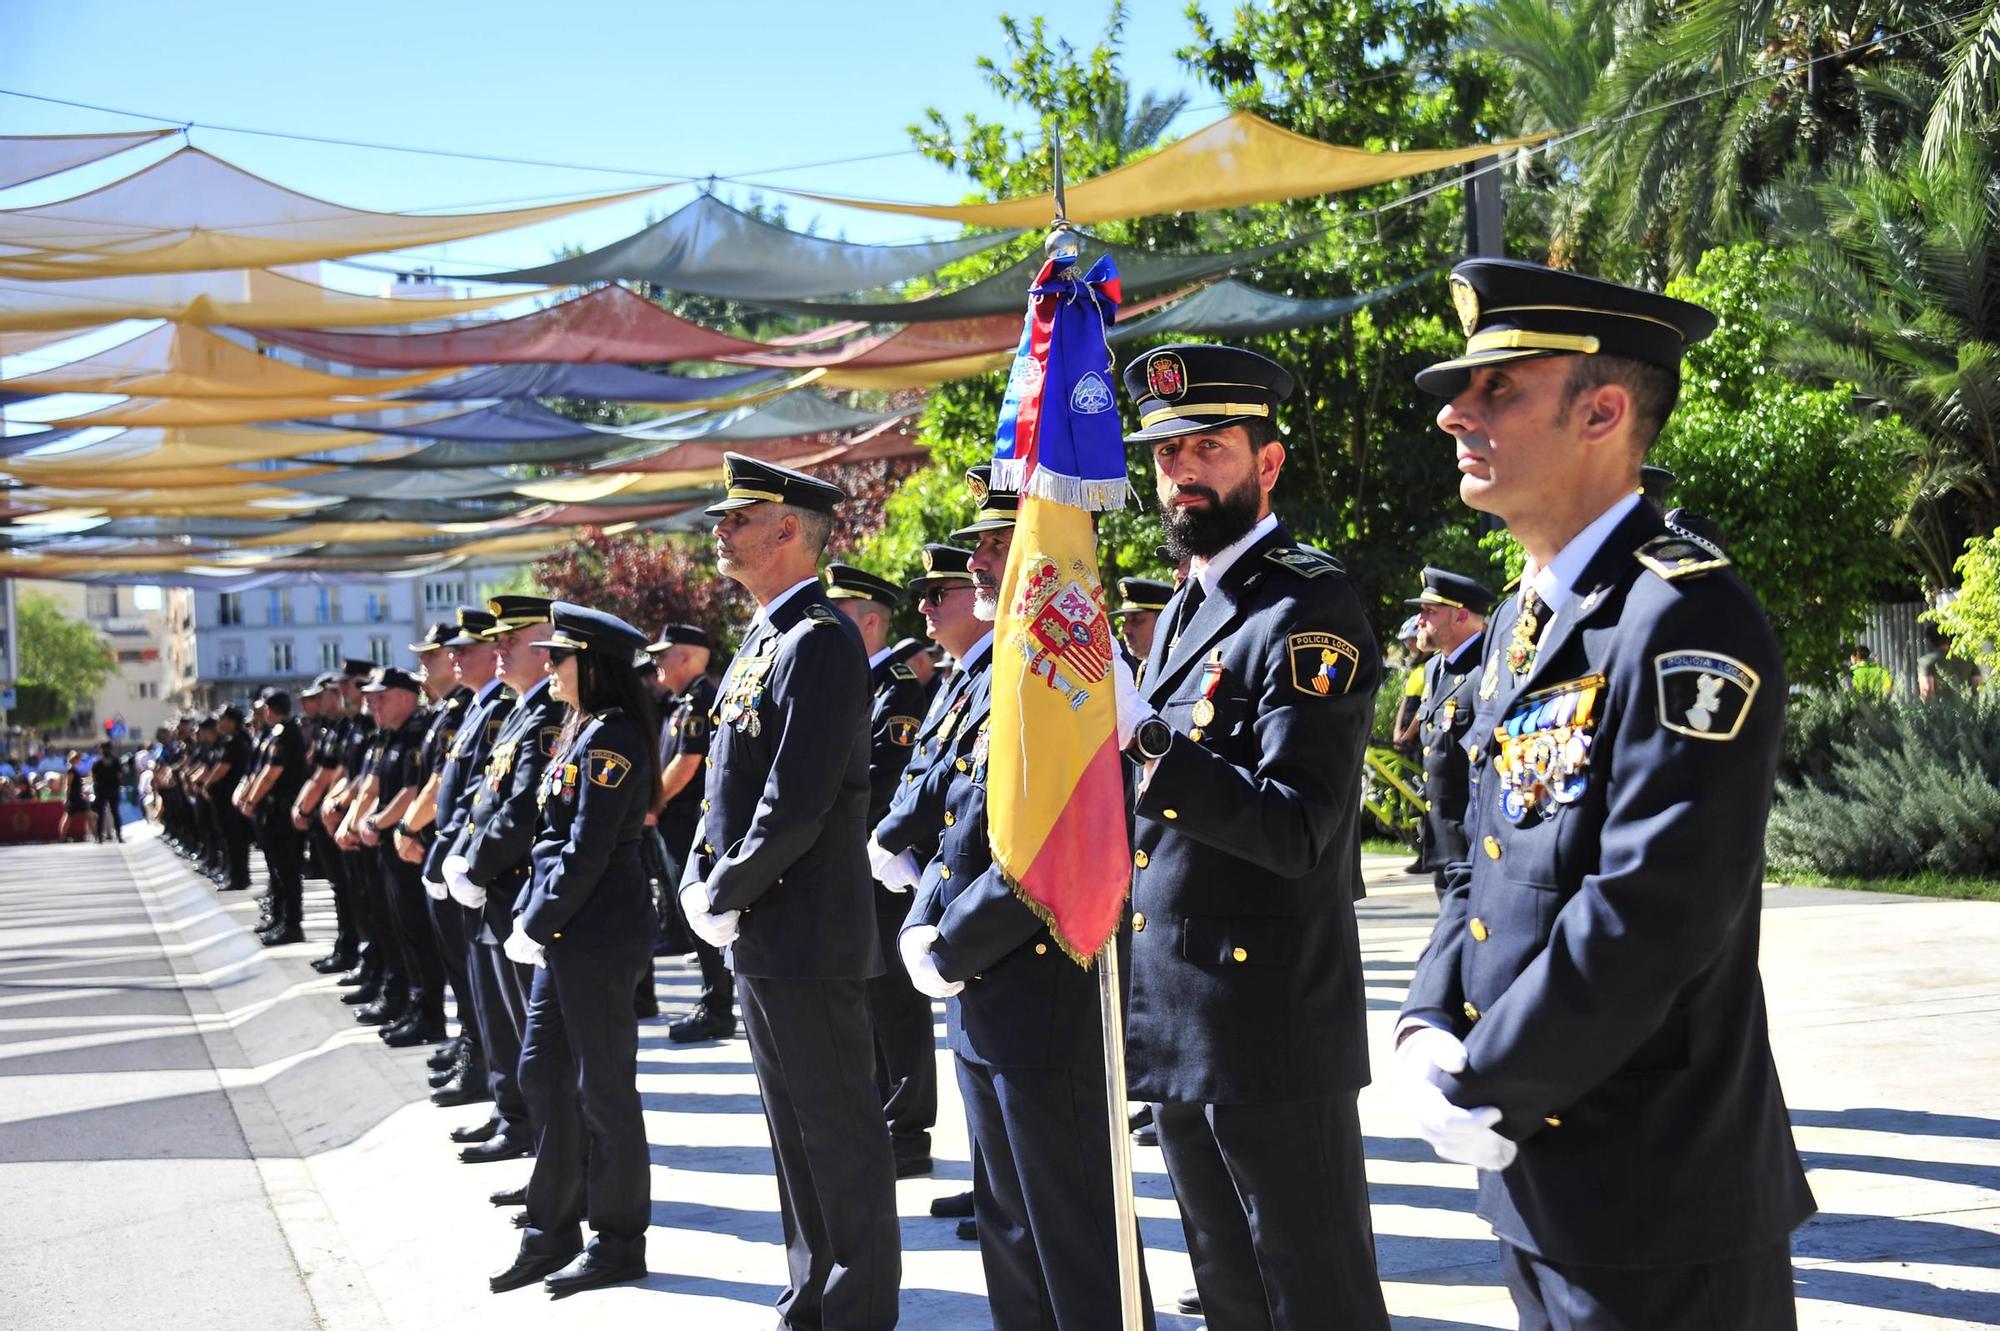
1898 292
1969 96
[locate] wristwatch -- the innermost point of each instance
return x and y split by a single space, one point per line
1152 738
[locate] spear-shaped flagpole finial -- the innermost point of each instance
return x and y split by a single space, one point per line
1063 240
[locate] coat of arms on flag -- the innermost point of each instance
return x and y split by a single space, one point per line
1067 638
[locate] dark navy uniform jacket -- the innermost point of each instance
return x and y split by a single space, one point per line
895 715
499 834
464 760
281 746
397 758
1025 1004
1444 718
589 888
1600 960
916 813
686 733
1246 973
784 825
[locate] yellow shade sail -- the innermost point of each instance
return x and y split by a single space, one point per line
168 412
191 212
323 533
1240 159
921 374
252 297
212 500
27 157
177 360
162 478
203 447
20 344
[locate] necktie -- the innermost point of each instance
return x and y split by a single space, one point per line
1191 598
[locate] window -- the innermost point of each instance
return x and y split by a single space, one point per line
145 691
326 605
378 604
280 608
229 608
230 659
442 596
329 654
378 650
281 656
100 603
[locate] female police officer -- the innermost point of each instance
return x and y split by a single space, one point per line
586 920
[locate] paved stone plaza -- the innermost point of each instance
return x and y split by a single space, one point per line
194 1133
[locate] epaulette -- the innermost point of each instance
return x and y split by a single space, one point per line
820 614
901 671
1512 583
1675 557
1304 560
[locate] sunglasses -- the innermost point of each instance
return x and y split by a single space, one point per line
936 595
558 655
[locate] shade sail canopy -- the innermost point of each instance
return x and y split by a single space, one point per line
467 483
1140 273
609 324
460 453
127 476
1240 159
802 412
253 296
1236 309
29 157
508 421
605 383
713 249
202 411
176 360
20 344
192 212
211 446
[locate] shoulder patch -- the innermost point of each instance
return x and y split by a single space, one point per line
1675 557
608 768
903 730
547 739
1323 664
1704 695
820 614
1304 560
903 672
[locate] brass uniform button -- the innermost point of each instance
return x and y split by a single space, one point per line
1170 814
1041 949
1195 734
781 880
704 806
1474 755
950 818
708 848
1139 858
945 873
1238 954
1478 928
553 936
1471 1012
1553 1121
962 766
1492 848
1138 921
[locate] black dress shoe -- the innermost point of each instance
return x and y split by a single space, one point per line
478 1132
382 1012
526 1270
509 1197
440 1080
958 1205
912 1166
498 1147
1190 1302
442 1060
462 1092
518 1220
1140 1117
645 1009
703 1025
409 1015
369 991
969 1230
407 1035
591 1272
355 975
281 937
333 963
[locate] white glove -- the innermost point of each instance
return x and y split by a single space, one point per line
462 889
523 949
716 930
918 960
1132 708
878 859
902 873
1465 1136
435 889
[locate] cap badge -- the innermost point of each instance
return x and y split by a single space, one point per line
977 485
930 561
1166 377
1466 301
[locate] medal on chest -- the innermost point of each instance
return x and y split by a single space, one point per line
1211 680
1542 749
743 694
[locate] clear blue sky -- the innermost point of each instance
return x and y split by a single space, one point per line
725 86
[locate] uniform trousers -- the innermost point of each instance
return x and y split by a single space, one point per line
1274 1203
579 1073
1041 1190
236 833
407 909
500 1002
333 867
372 925
815 1063
280 841
1744 1292
454 949
905 1044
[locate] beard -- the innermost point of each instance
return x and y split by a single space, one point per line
985 603
1200 533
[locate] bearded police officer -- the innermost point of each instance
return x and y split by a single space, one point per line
1246 1018
1588 1026
1451 615
778 872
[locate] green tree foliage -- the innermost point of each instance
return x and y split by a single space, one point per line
1803 486
1972 618
62 655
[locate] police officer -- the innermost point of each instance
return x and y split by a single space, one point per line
779 873
415 1016
1140 602
488 865
365 912
905 1045
1246 1020
209 855
680 664
326 733
462 1072
1023 1020
234 754
586 924
1451 616
1587 1025
266 795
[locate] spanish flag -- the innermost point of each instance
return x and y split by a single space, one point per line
1054 781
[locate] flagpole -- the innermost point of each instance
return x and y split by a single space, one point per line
1063 240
